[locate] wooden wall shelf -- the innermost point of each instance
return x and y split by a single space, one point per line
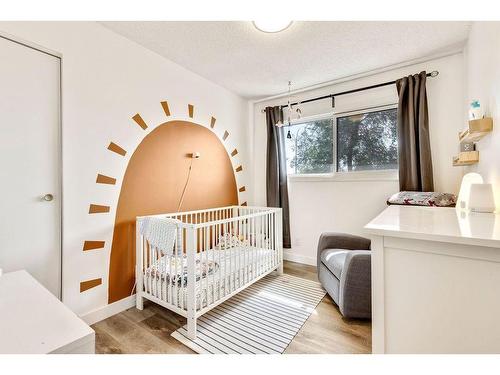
466 158
476 130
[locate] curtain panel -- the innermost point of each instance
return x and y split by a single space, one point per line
276 176
415 161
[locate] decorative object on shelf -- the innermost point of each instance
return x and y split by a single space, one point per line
467 146
481 198
419 198
466 158
475 110
465 187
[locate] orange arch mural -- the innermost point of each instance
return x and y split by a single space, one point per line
153 184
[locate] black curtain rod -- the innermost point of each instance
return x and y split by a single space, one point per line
332 96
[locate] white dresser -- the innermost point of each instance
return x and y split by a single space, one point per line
34 321
435 281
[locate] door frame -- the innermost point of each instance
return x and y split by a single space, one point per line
57 55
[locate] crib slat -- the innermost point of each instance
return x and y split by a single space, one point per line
240 253
224 231
245 235
207 270
212 243
191 247
171 273
231 260
139 268
274 240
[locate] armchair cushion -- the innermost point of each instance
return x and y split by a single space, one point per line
341 241
334 260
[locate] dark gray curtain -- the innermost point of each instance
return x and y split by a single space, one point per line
415 162
276 179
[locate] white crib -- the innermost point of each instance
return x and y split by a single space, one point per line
218 252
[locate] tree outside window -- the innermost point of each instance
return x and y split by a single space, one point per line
365 141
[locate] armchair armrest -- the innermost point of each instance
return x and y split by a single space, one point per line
331 240
355 285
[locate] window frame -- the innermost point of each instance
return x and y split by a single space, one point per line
367 175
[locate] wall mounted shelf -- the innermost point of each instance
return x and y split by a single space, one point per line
476 130
466 158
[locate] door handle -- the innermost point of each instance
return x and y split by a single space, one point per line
48 197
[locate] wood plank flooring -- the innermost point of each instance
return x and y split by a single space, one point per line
148 331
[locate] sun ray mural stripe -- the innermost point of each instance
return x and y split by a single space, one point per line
234 152
242 189
191 110
138 119
93 245
89 284
98 209
116 149
165 107
239 168
102 179
212 122
226 134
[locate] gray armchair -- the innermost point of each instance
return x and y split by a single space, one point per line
344 270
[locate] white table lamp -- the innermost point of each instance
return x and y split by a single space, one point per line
465 188
481 198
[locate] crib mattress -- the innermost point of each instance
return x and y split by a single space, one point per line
217 272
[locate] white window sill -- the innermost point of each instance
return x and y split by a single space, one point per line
388 175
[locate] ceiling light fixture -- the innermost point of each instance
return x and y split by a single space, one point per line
272 25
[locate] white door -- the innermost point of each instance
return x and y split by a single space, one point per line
30 194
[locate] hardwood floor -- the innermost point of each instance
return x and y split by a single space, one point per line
148 331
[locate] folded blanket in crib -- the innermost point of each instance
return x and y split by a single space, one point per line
161 233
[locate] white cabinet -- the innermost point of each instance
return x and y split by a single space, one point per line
435 281
34 321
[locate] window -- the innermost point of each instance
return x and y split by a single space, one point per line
358 141
367 141
309 147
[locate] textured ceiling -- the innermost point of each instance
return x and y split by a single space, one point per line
255 64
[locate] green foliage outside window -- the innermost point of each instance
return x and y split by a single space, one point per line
366 141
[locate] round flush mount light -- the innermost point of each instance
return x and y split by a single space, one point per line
271 25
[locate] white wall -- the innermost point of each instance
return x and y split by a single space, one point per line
346 206
106 79
482 55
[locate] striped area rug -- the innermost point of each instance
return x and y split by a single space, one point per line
262 319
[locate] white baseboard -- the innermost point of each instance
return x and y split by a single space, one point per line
297 258
104 312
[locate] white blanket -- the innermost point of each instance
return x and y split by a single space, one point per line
161 233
